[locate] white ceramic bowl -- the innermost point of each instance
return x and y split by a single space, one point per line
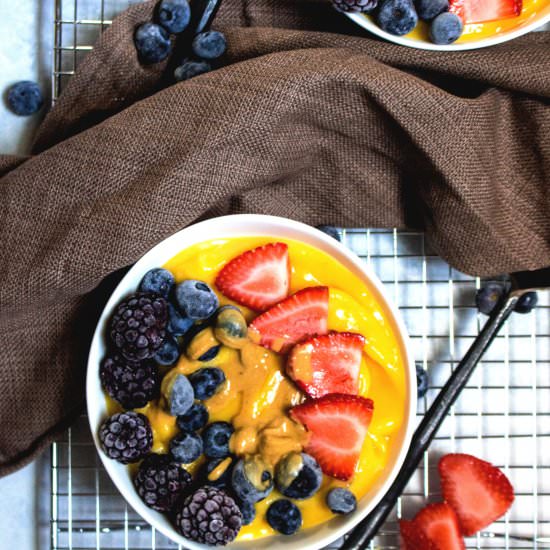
238 226
539 16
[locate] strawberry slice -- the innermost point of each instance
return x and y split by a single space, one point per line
327 364
337 424
412 538
480 11
478 491
439 524
300 316
258 278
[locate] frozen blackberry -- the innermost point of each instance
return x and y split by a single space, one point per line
126 437
130 383
160 482
138 325
355 6
209 516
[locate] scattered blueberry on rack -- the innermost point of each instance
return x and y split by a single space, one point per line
25 98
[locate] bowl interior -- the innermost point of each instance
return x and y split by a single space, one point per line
235 226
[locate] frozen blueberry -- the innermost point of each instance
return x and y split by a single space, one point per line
421 381
168 353
189 68
397 17
180 395
446 28
252 479
221 481
186 447
206 382
428 9
488 296
341 501
210 354
174 15
330 230
178 324
152 43
196 299
194 419
216 438
298 476
209 44
526 302
158 280
248 510
25 98
284 516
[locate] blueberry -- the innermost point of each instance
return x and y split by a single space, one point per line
421 381
341 501
428 9
178 324
248 510
174 15
194 419
189 68
488 296
397 17
252 479
196 299
180 395
330 230
446 28
152 43
284 516
168 353
25 98
223 479
209 44
157 280
206 382
526 302
216 438
186 447
210 354
298 476
230 327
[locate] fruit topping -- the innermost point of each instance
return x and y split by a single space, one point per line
446 28
412 537
489 295
298 476
422 381
216 438
252 478
397 17
526 302
179 394
160 482
138 325
209 45
230 327
327 364
152 43
217 472
209 516
168 353
478 491
25 98
158 281
126 437
190 68
202 345
130 383
194 419
258 278
284 516
338 425
428 9
299 316
480 11
248 510
438 522
206 382
174 15
178 324
186 447
341 501
196 299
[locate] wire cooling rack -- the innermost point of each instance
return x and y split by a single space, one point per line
503 415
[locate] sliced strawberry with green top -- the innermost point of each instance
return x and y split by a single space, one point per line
258 278
412 538
337 426
300 316
481 11
478 491
327 364
438 522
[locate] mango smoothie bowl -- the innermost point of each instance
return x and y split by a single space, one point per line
249 384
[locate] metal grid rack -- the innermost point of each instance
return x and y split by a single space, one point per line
502 416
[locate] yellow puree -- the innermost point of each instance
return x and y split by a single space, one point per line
257 395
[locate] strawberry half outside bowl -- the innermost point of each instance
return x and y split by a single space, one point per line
276 228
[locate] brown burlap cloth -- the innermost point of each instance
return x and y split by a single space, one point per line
305 121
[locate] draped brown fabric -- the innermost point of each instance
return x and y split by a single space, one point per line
304 120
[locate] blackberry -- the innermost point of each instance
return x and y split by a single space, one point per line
209 516
130 383
355 6
138 325
126 437
160 482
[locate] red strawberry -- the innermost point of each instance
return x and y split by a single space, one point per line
478 491
300 316
338 425
479 11
439 524
327 364
257 278
412 538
